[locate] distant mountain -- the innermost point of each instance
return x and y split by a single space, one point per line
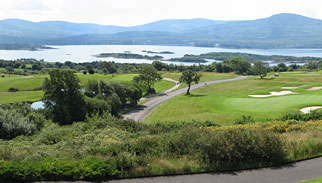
277 31
282 30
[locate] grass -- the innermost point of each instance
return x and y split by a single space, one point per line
12 97
223 103
30 86
317 180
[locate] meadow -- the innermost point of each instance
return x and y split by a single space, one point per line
224 103
29 87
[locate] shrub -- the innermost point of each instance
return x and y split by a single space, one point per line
52 169
314 115
13 90
96 105
244 120
13 124
239 148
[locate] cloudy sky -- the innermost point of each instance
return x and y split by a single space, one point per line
136 12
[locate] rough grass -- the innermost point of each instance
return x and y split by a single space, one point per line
223 103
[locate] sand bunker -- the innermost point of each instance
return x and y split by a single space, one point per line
273 94
307 110
315 88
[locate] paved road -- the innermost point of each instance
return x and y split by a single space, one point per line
167 91
141 112
292 173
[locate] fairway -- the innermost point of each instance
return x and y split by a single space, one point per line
223 103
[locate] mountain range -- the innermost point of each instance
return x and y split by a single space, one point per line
277 31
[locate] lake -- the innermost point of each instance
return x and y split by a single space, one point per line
85 53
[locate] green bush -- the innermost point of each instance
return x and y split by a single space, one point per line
52 169
19 119
13 90
240 148
13 124
313 115
96 105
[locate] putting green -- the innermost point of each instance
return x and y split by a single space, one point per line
273 104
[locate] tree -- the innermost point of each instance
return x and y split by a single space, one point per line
109 67
62 95
260 68
282 67
240 65
148 75
91 71
189 76
9 70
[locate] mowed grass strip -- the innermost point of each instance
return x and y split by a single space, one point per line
12 97
225 102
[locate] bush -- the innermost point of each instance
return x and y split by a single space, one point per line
52 169
244 120
96 105
313 115
19 119
241 148
13 90
13 124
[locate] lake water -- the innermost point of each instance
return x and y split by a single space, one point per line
85 53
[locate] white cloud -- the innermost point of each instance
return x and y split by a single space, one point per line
134 12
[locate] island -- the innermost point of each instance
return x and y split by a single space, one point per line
128 56
221 56
29 47
162 52
189 58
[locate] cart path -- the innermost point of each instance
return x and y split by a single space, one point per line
167 91
139 113
291 173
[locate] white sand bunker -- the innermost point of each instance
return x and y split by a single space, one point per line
307 110
273 93
315 88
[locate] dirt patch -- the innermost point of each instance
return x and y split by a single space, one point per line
273 93
307 110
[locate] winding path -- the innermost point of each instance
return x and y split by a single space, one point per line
139 113
167 91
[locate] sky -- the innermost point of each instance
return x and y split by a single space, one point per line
137 12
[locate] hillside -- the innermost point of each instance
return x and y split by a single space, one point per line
277 31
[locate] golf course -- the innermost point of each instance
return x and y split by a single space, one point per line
225 102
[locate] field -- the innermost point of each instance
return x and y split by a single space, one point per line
224 103
30 86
